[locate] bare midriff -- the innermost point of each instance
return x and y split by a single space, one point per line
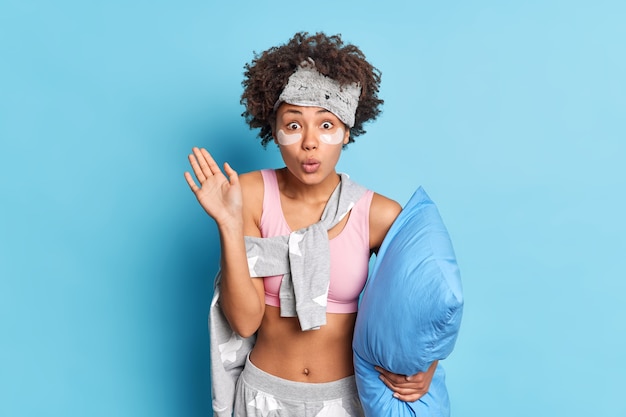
285 351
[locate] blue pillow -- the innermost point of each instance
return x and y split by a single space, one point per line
410 311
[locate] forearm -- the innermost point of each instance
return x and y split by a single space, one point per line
222 199
239 298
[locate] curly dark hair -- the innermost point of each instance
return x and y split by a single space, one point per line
267 74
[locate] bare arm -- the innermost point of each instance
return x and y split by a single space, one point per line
383 212
409 388
241 297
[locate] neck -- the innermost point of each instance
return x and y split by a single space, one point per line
293 188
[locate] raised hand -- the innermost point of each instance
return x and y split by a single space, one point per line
219 196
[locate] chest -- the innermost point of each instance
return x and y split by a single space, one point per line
297 216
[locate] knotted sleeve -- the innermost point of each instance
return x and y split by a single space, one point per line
303 258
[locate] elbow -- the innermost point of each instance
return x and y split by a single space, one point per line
244 325
245 333
244 330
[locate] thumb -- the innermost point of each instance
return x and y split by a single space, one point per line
232 174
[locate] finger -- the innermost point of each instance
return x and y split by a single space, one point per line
408 398
203 163
395 379
398 386
407 393
402 394
423 377
418 378
192 184
209 163
391 384
386 382
383 371
193 160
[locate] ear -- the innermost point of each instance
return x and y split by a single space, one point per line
274 138
346 137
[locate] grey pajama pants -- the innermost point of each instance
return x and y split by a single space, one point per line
260 394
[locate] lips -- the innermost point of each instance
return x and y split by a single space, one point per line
310 165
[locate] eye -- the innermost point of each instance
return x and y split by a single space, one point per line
293 126
327 125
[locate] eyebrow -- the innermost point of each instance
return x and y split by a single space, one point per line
295 111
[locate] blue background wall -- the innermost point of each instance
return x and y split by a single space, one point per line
510 115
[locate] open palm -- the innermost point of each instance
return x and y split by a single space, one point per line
220 196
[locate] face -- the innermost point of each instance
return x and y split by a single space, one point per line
310 141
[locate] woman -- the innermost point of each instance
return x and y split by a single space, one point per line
311 96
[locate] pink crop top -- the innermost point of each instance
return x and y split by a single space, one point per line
349 251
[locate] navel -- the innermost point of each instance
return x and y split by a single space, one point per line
305 371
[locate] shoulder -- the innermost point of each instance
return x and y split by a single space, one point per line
252 182
383 212
252 189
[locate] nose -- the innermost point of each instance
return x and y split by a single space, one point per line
310 140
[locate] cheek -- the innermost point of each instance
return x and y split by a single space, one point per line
285 139
333 138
